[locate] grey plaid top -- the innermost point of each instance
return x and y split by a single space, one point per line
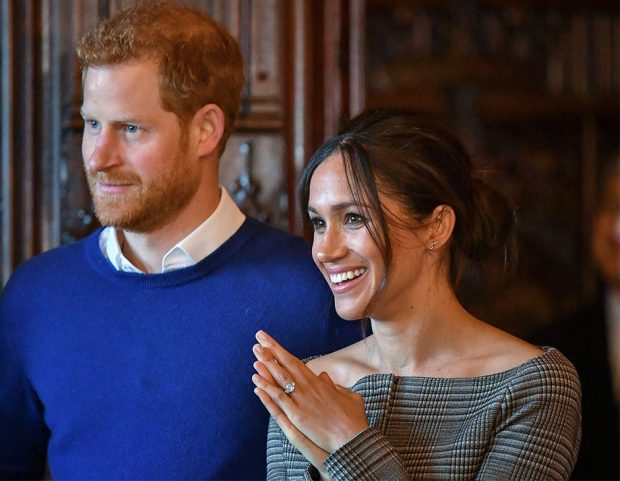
521 424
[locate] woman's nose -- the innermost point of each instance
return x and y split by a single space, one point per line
330 246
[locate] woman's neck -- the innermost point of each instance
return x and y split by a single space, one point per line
422 340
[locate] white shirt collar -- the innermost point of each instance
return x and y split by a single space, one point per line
202 241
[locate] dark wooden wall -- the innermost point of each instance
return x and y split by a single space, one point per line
533 89
301 78
532 86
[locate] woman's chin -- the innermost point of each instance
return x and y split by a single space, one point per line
349 314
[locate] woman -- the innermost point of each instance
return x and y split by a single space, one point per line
433 393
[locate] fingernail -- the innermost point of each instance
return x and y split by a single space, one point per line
263 338
258 348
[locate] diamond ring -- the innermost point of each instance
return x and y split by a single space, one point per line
289 388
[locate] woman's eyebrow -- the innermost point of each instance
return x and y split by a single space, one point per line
340 206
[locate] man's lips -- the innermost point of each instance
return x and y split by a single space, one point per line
112 188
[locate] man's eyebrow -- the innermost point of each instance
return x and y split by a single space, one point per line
128 119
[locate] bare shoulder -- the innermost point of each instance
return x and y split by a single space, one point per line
344 366
500 351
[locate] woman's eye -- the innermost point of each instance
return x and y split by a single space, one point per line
354 219
131 129
93 124
318 224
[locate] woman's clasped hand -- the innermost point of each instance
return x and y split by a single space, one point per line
318 416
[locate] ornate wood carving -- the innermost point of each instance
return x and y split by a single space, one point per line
44 199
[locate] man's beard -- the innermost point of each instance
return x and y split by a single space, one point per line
145 207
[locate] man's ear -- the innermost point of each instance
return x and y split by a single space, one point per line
209 125
441 226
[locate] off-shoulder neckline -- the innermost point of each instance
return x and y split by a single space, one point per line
492 377
547 352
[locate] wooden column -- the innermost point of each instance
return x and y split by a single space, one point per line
325 82
19 140
298 108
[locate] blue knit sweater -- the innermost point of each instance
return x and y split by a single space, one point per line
129 376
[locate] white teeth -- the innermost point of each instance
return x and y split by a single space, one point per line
344 276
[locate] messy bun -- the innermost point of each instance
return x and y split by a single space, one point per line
490 228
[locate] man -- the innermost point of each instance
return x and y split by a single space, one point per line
127 355
591 340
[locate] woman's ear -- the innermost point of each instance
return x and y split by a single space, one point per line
209 124
441 226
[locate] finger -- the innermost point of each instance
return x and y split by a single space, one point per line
279 353
279 415
276 393
324 376
310 450
280 374
261 380
262 370
274 410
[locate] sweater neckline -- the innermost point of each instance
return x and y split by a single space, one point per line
104 267
548 352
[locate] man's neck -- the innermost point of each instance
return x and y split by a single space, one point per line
146 250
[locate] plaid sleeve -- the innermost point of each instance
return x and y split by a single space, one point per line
539 432
276 468
284 462
369 456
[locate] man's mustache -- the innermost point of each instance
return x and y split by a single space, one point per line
113 177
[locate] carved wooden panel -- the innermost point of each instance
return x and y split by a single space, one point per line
252 170
44 198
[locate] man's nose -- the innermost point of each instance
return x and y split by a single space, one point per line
101 151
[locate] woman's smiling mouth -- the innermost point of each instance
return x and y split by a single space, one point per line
346 276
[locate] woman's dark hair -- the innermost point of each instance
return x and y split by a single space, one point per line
410 158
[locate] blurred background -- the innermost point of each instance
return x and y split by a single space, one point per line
532 87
